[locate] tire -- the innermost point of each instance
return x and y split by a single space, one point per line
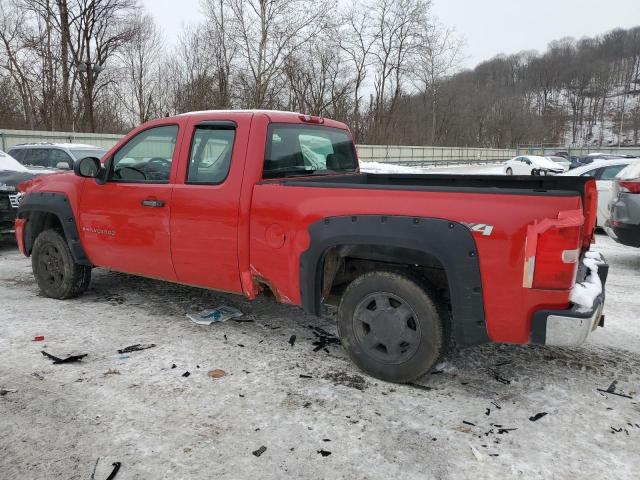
56 273
509 171
404 342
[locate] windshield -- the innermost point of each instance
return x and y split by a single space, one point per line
307 149
558 159
79 154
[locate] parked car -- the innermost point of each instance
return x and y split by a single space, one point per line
53 156
604 172
11 174
535 165
255 202
624 210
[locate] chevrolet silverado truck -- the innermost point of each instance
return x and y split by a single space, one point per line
265 202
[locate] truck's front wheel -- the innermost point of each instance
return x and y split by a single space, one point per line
390 326
56 272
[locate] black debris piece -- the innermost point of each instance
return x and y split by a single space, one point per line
468 423
615 430
493 454
69 359
259 451
495 404
186 374
243 320
487 412
225 337
323 339
436 372
343 378
240 345
612 390
173 365
136 348
241 395
307 404
305 376
116 467
501 379
292 340
537 416
324 453
505 430
326 439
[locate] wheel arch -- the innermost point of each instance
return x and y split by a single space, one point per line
45 210
405 241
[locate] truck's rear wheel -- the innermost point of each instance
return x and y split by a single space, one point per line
57 274
390 326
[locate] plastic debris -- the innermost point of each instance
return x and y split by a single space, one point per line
259 451
305 376
219 314
4 391
116 467
477 454
173 365
69 359
217 373
612 390
468 423
136 348
111 371
292 340
537 416
186 374
323 338
324 453
38 338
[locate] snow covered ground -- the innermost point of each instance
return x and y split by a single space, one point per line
471 420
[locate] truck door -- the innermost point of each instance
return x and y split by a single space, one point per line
205 203
124 224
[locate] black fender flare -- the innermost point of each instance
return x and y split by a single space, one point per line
57 204
452 243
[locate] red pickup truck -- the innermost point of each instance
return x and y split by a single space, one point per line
253 202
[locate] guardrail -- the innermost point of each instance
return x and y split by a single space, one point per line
423 156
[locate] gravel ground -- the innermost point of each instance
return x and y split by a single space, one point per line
470 418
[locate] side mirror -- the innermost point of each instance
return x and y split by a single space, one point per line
63 165
88 167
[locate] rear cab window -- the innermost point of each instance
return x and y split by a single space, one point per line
294 150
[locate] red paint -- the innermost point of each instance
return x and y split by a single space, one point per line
19 228
38 338
230 236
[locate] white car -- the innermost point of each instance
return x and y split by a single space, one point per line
535 165
604 172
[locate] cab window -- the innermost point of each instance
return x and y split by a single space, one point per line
147 157
210 155
307 150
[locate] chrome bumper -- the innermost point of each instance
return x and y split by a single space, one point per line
570 327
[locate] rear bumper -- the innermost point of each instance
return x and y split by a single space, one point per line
570 327
624 233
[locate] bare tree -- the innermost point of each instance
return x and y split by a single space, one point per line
265 33
438 55
140 60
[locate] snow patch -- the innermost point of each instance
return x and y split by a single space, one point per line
584 294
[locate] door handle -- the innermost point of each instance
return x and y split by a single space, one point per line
152 203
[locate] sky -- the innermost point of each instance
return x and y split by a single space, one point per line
489 27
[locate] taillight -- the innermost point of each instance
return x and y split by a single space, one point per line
552 251
629 186
590 212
